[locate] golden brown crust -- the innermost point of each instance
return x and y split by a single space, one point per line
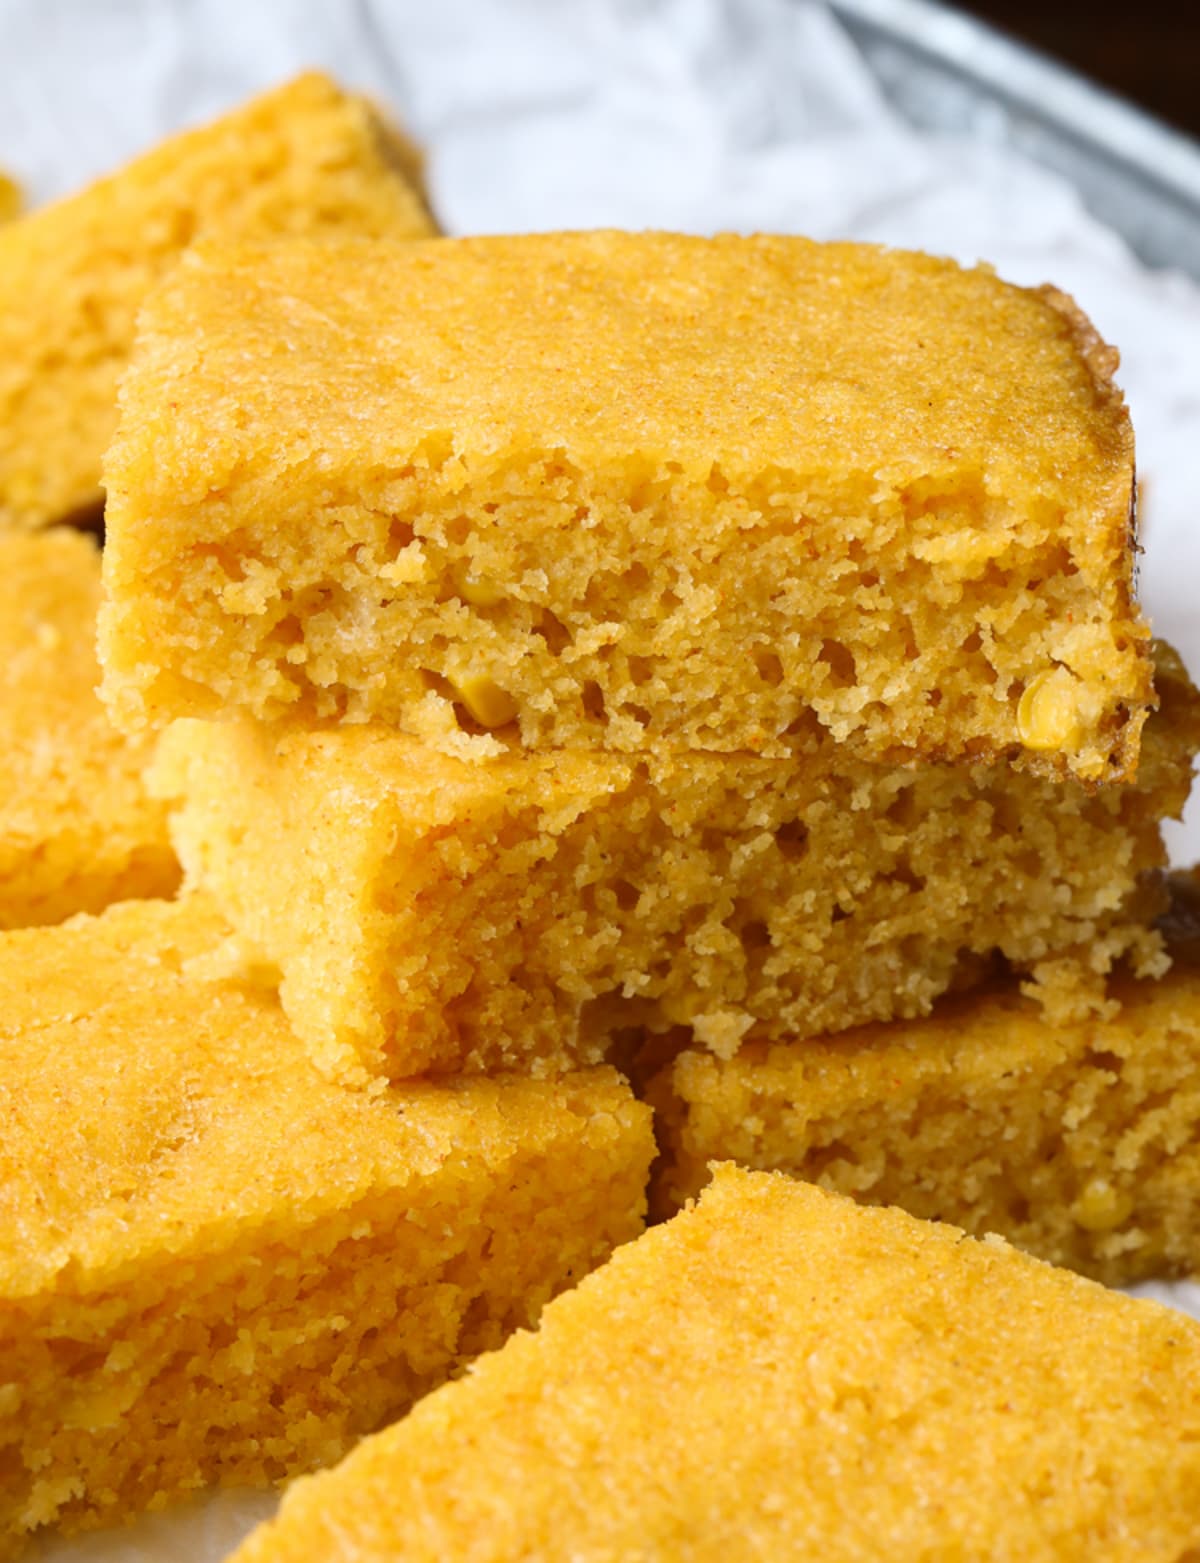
216 1266
781 483
780 1374
1100 356
304 158
78 829
1103 360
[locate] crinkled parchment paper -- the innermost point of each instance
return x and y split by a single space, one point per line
686 114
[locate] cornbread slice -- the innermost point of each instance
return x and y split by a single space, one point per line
779 1374
216 1266
303 159
434 913
628 491
77 827
1079 1142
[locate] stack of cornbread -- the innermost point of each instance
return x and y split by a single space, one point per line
582 668
215 1264
753 660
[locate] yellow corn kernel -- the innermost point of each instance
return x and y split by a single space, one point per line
479 591
1102 1208
490 705
1048 714
11 198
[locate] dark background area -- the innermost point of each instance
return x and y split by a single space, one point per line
1145 49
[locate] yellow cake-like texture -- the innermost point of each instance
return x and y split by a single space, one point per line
628 491
778 1373
77 827
216 1266
1080 1142
429 912
303 159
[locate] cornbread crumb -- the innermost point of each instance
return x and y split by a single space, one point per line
77 827
628 491
303 159
778 1373
1078 1142
217 1267
434 913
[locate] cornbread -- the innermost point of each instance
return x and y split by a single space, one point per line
780 1374
1078 1142
77 828
216 1266
11 198
434 913
303 159
628 491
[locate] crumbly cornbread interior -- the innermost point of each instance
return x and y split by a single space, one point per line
778 1373
305 158
1079 1142
216 1266
428 912
77 827
683 568
717 486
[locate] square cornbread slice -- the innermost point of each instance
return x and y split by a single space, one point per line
217 1267
778 1373
1079 1142
434 913
628 491
304 159
77 827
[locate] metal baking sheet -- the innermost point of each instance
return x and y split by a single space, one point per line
946 72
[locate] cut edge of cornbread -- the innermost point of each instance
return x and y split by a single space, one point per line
432 913
78 829
924 560
215 1265
1077 1141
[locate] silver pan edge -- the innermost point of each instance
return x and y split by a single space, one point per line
948 73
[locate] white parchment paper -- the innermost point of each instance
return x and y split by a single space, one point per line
696 115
